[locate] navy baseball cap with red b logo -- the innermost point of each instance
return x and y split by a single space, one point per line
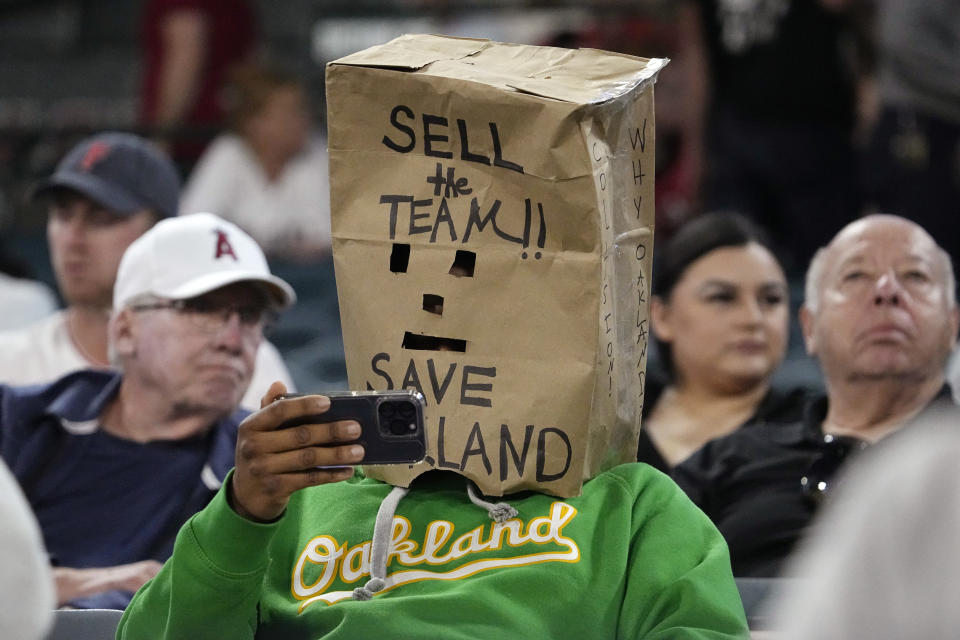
121 172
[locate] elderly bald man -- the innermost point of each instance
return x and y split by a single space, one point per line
880 315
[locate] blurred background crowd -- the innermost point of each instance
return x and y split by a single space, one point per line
798 115
779 122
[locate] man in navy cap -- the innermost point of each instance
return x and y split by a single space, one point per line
106 192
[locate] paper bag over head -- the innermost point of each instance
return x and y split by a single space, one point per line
492 216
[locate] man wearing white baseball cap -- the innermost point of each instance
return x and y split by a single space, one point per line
108 190
114 462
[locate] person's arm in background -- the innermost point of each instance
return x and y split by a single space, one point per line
679 581
210 586
73 584
694 66
184 34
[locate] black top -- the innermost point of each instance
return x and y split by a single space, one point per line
748 483
777 406
780 61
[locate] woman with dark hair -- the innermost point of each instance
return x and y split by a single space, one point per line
719 316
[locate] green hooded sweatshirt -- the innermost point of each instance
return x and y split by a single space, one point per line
631 557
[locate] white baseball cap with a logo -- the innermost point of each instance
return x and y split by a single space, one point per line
190 255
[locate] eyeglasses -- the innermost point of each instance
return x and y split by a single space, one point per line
834 450
211 316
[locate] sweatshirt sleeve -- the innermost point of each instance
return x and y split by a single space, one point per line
210 586
679 581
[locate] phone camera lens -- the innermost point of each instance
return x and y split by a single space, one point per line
398 418
399 427
387 410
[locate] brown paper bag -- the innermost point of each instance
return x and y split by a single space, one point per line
492 216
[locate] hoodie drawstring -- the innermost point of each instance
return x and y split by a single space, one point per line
499 512
380 546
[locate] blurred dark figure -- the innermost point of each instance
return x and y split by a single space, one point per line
772 90
188 45
913 164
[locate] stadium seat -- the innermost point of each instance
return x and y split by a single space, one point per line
85 624
754 592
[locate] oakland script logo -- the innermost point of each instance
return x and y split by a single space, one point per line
443 554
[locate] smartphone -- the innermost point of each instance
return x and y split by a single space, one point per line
391 423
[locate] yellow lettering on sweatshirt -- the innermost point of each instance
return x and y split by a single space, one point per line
461 556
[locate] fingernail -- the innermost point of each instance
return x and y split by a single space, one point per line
353 429
323 403
356 451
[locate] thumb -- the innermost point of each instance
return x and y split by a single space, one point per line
276 390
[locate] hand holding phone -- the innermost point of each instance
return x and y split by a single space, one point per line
391 423
273 463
